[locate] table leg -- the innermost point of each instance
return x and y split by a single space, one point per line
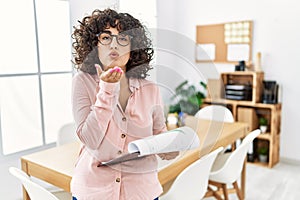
24 168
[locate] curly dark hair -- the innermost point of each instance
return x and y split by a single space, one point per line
86 40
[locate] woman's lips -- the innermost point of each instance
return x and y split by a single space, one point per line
114 55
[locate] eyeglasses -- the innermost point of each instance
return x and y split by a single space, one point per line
107 38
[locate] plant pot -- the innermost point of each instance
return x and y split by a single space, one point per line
263 128
263 158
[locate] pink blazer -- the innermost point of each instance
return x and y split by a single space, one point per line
105 131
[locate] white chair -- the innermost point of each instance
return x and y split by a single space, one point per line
215 112
227 167
192 182
35 191
66 134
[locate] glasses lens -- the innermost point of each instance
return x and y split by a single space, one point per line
123 39
106 39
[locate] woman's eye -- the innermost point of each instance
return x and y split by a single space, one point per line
123 38
105 38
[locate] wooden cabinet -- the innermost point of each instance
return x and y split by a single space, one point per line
253 80
251 110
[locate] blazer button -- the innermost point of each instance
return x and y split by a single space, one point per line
123 135
119 152
118 180
124 119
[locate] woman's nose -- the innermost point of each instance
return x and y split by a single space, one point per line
114 43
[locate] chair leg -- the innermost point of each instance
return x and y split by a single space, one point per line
224 187
225 192
238 191
211 192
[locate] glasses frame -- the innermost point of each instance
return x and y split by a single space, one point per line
113 36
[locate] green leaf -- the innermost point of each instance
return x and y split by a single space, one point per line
179 87
203 84
263 121
188 98
193 100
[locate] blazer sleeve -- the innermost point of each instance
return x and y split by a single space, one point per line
92 119
159 121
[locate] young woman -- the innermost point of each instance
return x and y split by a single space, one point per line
113 104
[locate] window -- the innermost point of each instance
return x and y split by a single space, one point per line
35 73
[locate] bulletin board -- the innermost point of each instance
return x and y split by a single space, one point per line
225 42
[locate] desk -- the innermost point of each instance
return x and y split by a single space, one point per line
56 165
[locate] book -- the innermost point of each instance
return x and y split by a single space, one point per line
180 139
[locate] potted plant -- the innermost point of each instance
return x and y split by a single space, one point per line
187 98
263 124
263 154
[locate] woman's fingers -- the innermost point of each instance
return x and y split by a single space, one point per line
117 73
112 75
99 69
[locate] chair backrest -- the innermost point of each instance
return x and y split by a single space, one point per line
66 134
233 165
215 112
192 182
35 191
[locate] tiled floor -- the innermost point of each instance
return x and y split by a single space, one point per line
282 182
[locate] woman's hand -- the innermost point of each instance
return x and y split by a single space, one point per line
112 75
168 156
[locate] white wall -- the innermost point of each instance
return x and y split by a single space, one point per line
276 34
79 9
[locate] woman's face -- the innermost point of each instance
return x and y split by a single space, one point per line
113 49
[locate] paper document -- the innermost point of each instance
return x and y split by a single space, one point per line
180 139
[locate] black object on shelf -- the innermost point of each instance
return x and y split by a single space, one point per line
241 66
250 157
250 153
270 92
238 92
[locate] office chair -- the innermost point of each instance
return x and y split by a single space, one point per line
215 112
35 191
192 182
66 134
227 167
